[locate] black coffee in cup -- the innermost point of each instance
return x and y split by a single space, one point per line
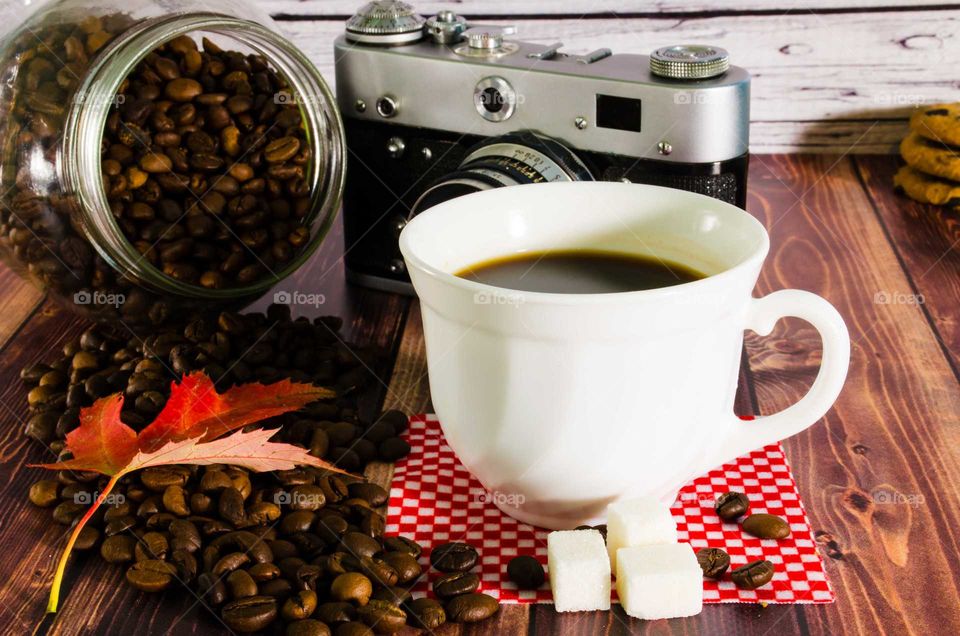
579 272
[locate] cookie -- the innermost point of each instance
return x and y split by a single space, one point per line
930 157
938 122
926 189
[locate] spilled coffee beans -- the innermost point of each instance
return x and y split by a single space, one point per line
753 575
766 526
713 561
526 572
471 608
453 557
730 506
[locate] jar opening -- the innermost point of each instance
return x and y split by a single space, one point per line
97 95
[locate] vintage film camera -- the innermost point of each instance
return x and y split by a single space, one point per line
437 108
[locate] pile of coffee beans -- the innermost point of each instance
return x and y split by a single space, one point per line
231 349
731 507
205 168
301 550
205 164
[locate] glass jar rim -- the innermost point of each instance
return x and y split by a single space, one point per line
86 122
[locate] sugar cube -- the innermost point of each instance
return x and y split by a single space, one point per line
636 522
579 570
659 581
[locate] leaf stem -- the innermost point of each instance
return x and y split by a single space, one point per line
62 565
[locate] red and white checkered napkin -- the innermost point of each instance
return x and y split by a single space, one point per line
434 499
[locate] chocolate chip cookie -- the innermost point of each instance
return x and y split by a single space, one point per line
930 157
938 122
926 189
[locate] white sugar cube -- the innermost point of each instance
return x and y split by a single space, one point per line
634 522
579 570
659 581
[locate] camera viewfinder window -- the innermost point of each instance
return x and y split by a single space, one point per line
620 113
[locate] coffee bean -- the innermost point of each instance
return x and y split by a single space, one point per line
118 548
731 505
300 606
160 478
335 613
186 565
175 500
353 629
713 561
426 613
526 572
250 614
393 448
455 583
372 493
151 575
42 426
261 572
307 627
183 89
360 545
402 544
753 575
471 608
241 584
351 586
453 557
396 419
406 566
152 545
282 149
383 617
67 512
397 595
44 493
307 497
230 506
230 562
87 538
766 526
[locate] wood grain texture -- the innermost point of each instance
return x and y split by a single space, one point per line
837 231
579 7
808 94
880 474
927 240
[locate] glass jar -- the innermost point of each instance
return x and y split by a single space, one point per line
161 156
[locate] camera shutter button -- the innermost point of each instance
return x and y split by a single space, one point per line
689 61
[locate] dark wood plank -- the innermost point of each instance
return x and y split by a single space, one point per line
926 239
893 434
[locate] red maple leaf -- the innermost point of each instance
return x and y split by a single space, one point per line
187 430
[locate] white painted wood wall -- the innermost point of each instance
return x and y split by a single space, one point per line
828 75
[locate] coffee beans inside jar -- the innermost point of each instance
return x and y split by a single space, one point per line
208 177
206 171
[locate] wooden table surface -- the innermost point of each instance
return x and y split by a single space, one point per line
879 475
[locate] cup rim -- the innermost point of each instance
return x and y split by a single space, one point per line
414 261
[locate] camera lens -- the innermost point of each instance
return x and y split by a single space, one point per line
512 159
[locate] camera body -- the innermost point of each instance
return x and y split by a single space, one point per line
437 108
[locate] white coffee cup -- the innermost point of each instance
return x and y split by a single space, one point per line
563 403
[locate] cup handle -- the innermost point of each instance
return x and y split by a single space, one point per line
764 313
